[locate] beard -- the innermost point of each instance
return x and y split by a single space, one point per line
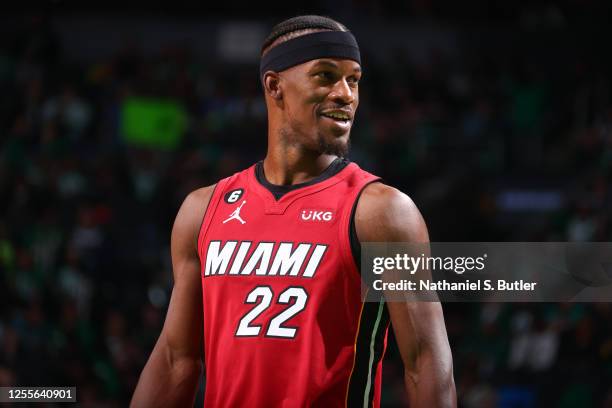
336 147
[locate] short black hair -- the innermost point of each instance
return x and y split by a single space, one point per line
285 30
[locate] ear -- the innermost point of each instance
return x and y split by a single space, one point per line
271 81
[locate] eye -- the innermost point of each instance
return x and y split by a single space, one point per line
353 81
325 75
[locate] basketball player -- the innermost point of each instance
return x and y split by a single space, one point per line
266 261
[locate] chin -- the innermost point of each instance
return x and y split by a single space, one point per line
337 146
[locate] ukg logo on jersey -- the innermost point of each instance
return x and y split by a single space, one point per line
321 215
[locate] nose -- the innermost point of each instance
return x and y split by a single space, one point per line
342 93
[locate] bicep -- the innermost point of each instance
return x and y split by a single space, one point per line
386 215
182 330
419 330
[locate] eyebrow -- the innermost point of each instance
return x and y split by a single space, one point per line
332 64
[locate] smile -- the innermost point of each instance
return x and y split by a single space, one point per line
337 115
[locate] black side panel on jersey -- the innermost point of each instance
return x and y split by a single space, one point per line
369 347
369 350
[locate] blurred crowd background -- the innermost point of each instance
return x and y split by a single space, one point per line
494 117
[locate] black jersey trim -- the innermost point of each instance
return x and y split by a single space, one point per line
278 191
373 325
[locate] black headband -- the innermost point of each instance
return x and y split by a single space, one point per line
322 44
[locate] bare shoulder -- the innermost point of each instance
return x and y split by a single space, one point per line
200 196
384 213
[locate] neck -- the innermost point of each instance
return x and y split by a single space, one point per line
288 165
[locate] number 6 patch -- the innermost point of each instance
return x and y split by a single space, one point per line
232 196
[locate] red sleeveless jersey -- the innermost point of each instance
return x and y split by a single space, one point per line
284 324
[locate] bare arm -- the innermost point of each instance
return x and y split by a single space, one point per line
170 377
384 214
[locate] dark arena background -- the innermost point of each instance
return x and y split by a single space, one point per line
495 117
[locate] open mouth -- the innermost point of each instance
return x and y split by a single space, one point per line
340 117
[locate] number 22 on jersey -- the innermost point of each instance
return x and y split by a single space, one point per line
276 327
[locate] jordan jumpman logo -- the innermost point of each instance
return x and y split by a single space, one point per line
236 215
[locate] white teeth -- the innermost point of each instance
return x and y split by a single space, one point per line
334 115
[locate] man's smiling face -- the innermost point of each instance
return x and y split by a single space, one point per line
320 98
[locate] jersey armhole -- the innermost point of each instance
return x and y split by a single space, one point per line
208 213
354 243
